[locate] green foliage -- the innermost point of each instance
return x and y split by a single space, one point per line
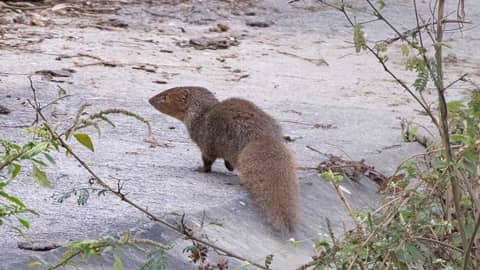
34 263
464 122
421 81
12 157
405 50
359 38
408 131
412 229
332 177
430 205
380 4
85 140
40 176
381 46
390 239
117 262
268 261
418 65
85 249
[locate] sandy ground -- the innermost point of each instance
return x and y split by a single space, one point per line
302 69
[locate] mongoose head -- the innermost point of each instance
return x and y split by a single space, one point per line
178 100
173 102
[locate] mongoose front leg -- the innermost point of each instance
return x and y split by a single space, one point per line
207 164
229 166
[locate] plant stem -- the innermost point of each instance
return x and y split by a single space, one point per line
466 260
12 158
444 131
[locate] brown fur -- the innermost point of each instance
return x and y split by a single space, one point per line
247 139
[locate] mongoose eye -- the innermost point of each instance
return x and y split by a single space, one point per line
163 98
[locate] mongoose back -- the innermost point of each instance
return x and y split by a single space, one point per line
248 140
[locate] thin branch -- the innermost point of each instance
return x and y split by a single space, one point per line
54 101
380 16
440 243
35 100
65 260
11 159
418 29
461 78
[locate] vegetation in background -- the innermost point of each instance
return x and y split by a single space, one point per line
430 215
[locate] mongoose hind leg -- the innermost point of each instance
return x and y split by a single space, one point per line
229 166
207 164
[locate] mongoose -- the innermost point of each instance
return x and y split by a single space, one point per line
248 140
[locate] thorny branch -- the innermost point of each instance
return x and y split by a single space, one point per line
187 233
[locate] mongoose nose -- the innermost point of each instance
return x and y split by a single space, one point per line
151 100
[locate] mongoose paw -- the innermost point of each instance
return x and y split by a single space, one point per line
203 169
229 166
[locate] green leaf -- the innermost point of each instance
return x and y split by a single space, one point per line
124 238
50 159
40 177
319 244
85 140
39 162
381 46
23 221
381 4
332 177
38 148
474 103
12 199
14 169
459 138
422 78
403 266
34 264
117 262
268 261
454 106
405 50
358 38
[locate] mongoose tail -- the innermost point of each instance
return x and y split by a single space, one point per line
266 168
